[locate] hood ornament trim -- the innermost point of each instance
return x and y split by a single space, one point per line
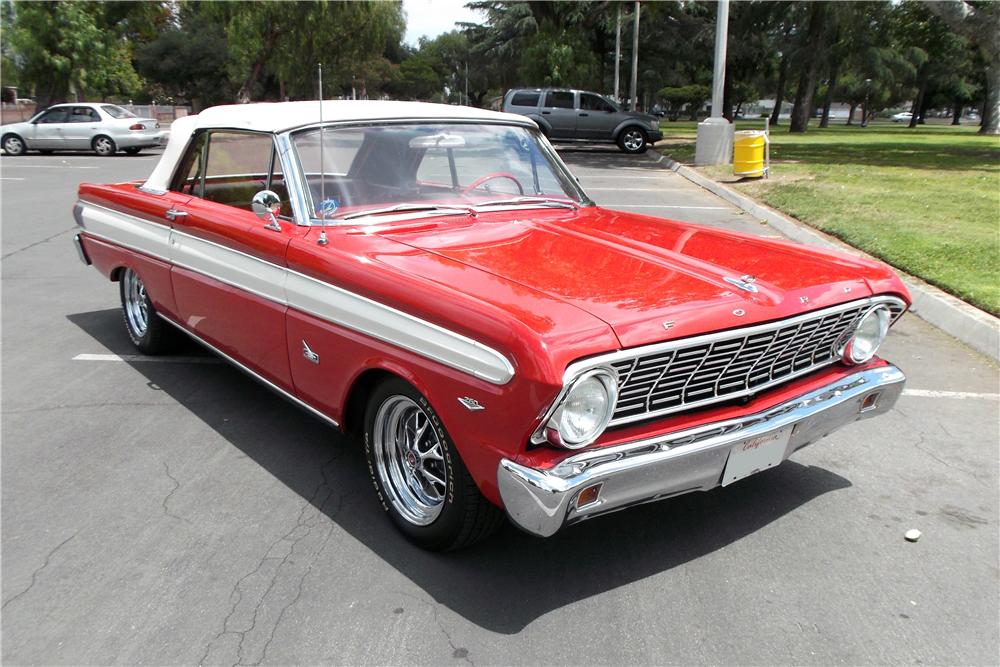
745 283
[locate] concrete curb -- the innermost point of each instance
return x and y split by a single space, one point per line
974 327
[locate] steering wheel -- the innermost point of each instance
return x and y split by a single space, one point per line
489 177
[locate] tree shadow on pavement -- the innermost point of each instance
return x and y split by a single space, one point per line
513 578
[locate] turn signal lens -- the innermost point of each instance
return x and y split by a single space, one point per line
589 495
137 126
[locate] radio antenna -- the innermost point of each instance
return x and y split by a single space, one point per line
322 166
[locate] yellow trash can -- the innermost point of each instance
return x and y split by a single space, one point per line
750 153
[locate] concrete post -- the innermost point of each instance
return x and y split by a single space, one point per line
715 134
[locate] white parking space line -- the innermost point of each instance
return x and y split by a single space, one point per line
711 208
144 358
929 393
45 166
10 178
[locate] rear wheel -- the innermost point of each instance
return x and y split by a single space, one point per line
633 140
419 478
13 145
147 331
103 146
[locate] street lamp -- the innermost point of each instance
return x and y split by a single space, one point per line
864 113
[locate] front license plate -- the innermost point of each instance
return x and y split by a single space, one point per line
756 454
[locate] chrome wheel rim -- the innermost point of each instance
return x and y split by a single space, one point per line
633 140
409 460
13 145
103 146
136 306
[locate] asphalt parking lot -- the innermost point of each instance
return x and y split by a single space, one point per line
175 512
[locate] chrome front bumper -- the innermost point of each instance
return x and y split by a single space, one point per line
542 501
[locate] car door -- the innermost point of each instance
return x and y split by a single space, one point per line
229 269
596 119
82 124
559 109
47 129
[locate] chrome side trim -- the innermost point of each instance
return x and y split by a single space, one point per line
541 501
251 373
300 292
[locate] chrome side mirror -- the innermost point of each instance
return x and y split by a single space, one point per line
266 205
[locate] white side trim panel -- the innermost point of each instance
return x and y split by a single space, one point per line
393 326
229 266
126 230
295 290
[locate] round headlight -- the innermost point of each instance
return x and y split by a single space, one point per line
586 409
868 335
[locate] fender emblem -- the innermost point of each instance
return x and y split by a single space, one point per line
745 283
309 354
471 404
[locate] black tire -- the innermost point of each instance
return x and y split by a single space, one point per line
134 150
13 145
104 145
633 140
464 516
152 336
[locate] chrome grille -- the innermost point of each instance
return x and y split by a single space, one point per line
708 369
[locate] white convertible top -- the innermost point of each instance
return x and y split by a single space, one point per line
281 116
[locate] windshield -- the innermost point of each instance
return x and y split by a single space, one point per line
117 112
426 167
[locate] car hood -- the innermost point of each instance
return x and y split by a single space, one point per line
649 279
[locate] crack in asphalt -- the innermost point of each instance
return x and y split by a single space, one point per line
34 575
166 499
456 651
302 529
37 243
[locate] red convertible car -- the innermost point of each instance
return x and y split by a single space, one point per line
434 281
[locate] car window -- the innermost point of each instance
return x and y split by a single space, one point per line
57 115
83 115
591 102
117 112
525 99
187 179
237 167
560 99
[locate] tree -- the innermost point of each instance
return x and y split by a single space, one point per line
980 24
811 48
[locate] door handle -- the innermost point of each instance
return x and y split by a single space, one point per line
585 114
172 214
546 112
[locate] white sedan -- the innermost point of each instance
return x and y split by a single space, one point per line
902 117
102 128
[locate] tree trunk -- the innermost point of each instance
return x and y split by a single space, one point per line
246 90
918 103
779 94
850 116
802 107
956 112
991 109
830 86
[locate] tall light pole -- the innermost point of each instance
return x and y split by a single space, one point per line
864 111
618 51
715 134
635 57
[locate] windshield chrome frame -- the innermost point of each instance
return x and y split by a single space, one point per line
295 178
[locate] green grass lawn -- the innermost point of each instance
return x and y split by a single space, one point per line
925 200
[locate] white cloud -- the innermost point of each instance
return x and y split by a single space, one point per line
430 18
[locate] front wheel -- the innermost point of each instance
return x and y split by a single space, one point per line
13 145
633 140
104 146
147 331
418 475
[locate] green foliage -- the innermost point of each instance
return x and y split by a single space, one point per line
676 98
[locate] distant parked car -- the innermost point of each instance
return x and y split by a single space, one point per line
102 128
901 117
564 114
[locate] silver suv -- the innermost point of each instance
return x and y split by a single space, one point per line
564 114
